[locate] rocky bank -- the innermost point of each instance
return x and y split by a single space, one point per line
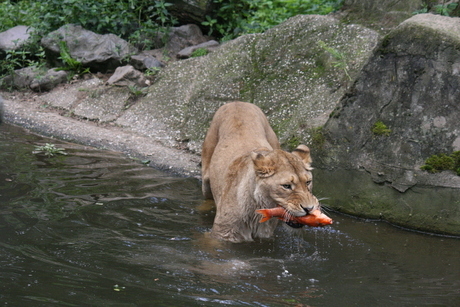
321 82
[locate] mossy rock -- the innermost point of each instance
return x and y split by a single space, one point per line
284 71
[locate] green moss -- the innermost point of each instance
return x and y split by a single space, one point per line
380 128
442 162
317 138
199 52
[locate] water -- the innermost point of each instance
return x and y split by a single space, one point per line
94 228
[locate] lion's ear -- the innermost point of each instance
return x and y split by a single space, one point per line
264 166
303 152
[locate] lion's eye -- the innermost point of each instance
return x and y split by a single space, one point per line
287 186
308 182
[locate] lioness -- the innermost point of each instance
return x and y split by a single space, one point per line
244 169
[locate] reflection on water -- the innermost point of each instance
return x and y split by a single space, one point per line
95 228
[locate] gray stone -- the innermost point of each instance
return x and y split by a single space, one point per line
182 37
37 79
67 97
128 76
103 104
191 11
49 81
21 78
410 84
145 61
187 52
14 38
100 52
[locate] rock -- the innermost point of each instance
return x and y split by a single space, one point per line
284 70
21 78
100 52
14 38
410 85
47 82
37 79
67 97
182 37
145 61
191 11
128 76
187 52
103 104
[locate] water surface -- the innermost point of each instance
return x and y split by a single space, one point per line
94 228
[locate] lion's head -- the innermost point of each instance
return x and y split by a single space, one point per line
285 179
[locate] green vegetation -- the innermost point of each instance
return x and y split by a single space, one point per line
126 18
141 22
27 56
199 52
138 21
380 128
442 162
445 8
317 138
73 65
236 17
135 92
340 60
49 150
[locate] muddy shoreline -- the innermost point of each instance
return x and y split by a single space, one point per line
26 110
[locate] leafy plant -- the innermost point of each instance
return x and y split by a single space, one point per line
20 58
130 19
380 128
136 92
72 64
340 60
152 71
49 150
236 17
446 8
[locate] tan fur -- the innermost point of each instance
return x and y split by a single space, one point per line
244 169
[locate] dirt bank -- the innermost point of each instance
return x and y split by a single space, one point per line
26 109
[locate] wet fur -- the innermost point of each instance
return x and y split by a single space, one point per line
243 170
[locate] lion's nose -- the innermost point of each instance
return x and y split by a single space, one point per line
307 209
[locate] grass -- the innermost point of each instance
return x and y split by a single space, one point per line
49 150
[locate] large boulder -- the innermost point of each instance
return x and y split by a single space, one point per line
191 11
410 86
285 70
14 38
178 38
100 52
